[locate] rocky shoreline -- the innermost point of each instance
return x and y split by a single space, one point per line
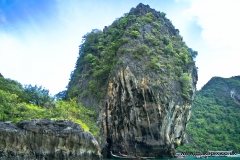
45 139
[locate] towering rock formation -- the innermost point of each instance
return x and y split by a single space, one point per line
142 78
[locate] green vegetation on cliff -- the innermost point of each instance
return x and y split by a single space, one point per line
142 77
147 38
19 103
215 118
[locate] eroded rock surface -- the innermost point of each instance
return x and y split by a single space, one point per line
145 112
48 140
140 119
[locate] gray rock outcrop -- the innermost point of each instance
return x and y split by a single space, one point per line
138 119
46 140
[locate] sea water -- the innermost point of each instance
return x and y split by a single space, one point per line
192 157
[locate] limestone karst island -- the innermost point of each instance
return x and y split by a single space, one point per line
131 95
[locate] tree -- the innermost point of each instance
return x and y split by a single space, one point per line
12 87
7 103
193 53
36 95
185 83
61 95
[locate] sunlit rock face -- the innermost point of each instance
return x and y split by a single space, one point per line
46 140
138 118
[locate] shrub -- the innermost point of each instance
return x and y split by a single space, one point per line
154 64
90 59
166 40
120 61
124 40
121 50
148 18
138 57
92 86
123 22
168 49
156 25
7 103
141 50
185 84
151 52
134 33
134 27
152 40
85 93
163 14
132 18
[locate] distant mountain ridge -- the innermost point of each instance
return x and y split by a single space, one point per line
224 89
215 119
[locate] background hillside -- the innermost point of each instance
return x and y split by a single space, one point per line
214 123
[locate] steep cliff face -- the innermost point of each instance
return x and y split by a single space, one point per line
140 118
142 78
45 139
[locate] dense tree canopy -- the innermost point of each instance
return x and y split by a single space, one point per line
36 95
19 103
215 118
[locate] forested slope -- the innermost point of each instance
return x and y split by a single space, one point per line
215 119
25 102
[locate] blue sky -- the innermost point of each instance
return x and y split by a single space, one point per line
39 39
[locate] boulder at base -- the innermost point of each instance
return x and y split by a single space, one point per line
48 140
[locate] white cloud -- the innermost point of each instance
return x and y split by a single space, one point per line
219 20
43 51
39 55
